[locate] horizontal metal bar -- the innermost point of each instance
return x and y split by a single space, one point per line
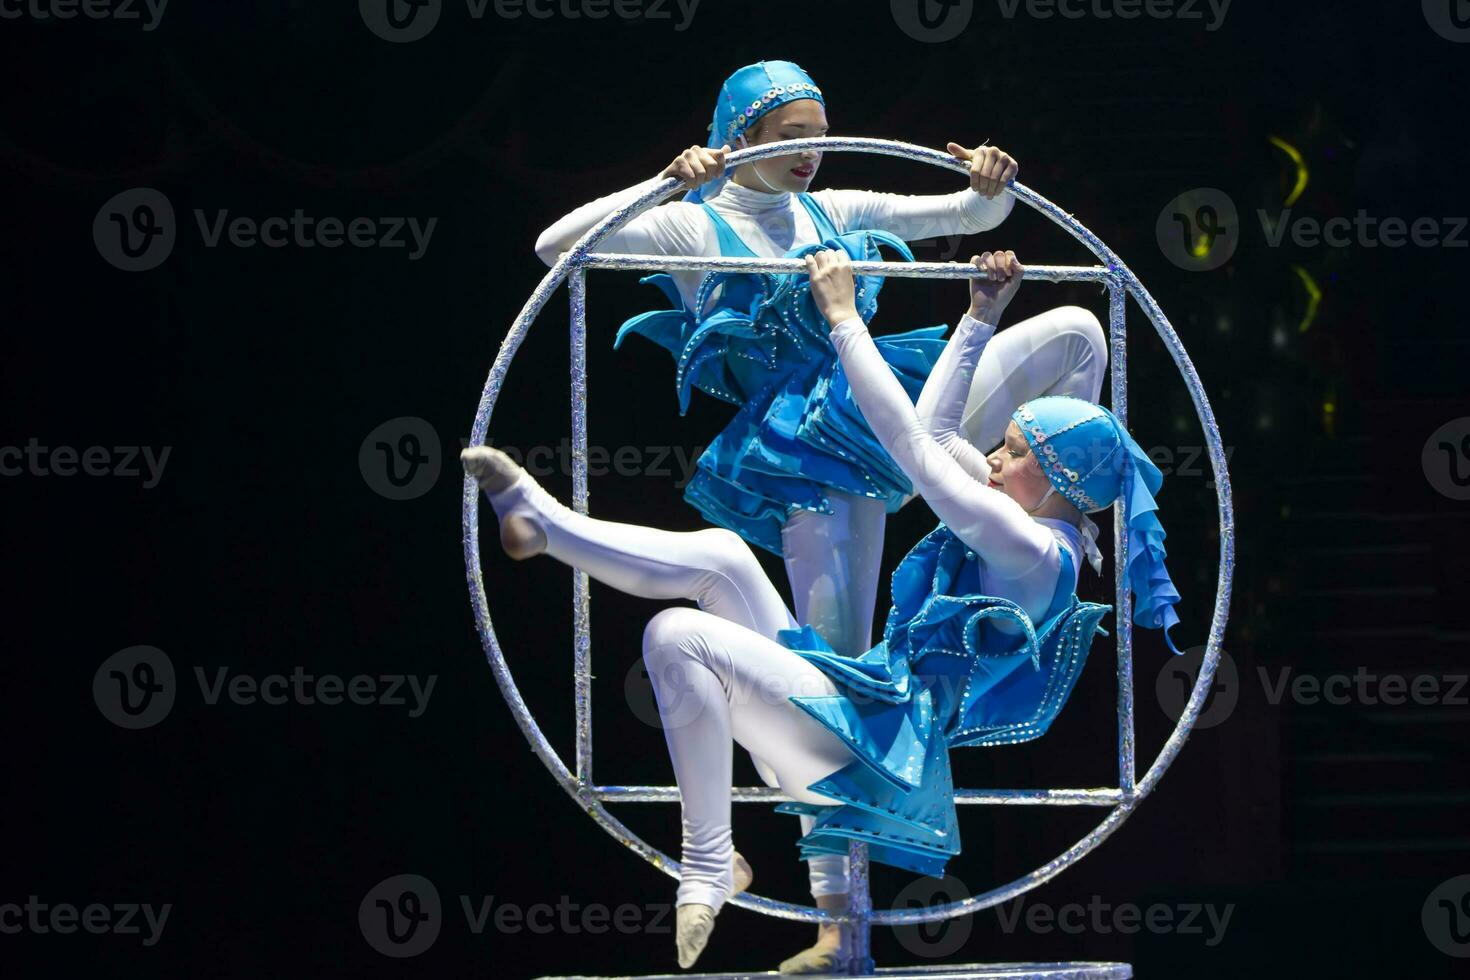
765 794
907 270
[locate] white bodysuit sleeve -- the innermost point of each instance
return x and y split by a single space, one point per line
985 519
915 217
941 405
673 228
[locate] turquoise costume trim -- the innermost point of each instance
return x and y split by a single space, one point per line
757 340
943 677
1090 458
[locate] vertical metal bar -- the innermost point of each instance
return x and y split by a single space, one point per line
1118 370
860 907
581 611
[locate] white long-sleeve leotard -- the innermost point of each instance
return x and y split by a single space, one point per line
1021 554
771 224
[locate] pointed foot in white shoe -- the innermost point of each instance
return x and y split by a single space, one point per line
520 536
692 927
492 469
817 960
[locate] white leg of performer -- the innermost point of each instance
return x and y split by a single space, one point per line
1060 352
712 567
833 562
719 676
719 683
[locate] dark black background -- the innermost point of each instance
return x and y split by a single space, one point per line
264 548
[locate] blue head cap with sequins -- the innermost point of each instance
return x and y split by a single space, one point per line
747 95
1091 460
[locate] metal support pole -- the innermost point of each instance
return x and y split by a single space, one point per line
860 907
1118 370
581 606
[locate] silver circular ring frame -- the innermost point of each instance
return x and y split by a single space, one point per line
1119 276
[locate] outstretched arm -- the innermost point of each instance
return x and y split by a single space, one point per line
662 230
985 519
915 217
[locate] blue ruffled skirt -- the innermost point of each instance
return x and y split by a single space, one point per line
761 344
942 677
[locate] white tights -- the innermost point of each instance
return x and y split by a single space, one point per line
718 673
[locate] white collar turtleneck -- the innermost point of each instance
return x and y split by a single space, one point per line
744 200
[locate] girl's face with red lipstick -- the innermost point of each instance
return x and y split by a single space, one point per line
1015 471
798 119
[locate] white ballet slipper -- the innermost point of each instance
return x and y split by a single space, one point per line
512 493
828 953
818 959
692 927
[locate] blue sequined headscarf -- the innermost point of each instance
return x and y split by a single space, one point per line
748 94
1091 460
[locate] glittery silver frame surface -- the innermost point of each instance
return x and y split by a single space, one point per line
1120 282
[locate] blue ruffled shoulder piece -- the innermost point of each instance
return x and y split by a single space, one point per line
942 677
768 319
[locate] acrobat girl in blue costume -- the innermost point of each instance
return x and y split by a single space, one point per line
984 641
797 471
